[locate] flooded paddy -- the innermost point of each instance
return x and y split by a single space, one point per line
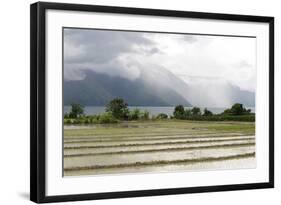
158 146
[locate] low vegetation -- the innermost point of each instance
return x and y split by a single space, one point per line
117 111
236 113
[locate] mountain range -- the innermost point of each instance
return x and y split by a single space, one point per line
98 89
154 87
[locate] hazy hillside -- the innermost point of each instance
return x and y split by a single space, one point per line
98 89
155 86
216 92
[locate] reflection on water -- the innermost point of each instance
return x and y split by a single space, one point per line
245 163
146 157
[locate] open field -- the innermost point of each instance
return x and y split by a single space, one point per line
162 145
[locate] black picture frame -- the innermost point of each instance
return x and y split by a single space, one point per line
38 101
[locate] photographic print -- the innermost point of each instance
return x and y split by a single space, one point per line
133 102
137 102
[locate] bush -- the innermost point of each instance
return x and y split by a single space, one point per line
162 116
144 115
181 113
237 109
107 118
67 121
242 118
207 112
75 121
134 114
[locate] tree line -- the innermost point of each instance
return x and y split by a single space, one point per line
181 113
117 110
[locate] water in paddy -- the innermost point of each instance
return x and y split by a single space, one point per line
158 146
245 163
94 110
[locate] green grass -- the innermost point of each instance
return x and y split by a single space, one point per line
163 126
242 118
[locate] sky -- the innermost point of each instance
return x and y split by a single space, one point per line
195 59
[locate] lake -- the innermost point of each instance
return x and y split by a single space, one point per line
94 110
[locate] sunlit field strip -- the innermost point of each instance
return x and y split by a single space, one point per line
155 156
109 133
161 162
147 133
162 150
147 136
175 137
146 144
166 140
118 149
68 133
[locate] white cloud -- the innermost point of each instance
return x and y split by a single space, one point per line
229 59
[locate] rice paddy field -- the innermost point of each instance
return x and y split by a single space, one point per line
158 146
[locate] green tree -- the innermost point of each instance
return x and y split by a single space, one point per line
77 111
227 111
207 112
179 112
196 111
187 113
118 107
248 111
237 109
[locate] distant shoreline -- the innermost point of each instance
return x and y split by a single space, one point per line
93 110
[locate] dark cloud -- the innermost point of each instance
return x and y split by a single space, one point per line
100 46
99 50
128 54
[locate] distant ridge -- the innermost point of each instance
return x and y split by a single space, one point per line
98 89
155 86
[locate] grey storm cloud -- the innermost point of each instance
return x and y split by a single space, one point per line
99 50
102 46
131 54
